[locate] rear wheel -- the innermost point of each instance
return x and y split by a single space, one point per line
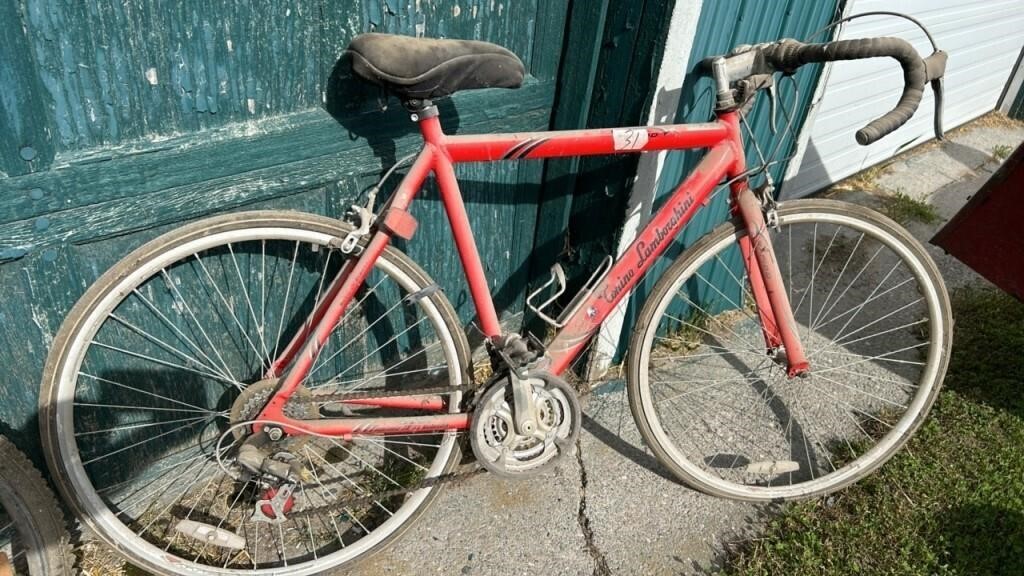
719 410
165 355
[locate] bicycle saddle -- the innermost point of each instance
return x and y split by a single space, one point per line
427 68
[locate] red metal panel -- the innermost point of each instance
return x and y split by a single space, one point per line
986 233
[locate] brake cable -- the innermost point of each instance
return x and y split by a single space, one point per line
876 13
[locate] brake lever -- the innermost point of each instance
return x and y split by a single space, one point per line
935 68
937 89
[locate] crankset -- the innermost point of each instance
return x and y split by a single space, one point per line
522 426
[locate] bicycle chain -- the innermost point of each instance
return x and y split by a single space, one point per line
443 479
344 396
449 478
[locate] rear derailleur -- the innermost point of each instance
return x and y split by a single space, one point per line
527 419
277 475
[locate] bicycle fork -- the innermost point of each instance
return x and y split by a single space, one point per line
777 321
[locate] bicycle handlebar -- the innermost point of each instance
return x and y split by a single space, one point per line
788 55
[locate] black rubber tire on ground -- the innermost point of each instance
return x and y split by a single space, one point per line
35 513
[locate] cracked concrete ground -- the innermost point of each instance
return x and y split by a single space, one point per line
610 510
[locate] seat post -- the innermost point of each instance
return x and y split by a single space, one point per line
426 114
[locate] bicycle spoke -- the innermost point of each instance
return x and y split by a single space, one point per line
145 393
196 348
164 345
165 363
146 441
248 301
227 306
320 364
161 374
841 337
842 272
177 294
284 305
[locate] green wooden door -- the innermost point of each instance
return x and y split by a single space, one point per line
122 119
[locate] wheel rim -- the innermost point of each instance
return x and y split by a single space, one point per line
743 438
202 360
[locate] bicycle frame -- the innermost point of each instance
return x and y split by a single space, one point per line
724 160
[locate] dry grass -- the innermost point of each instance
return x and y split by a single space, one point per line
1002 152
865 180
96 559
994 119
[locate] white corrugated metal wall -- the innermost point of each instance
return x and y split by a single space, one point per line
983 38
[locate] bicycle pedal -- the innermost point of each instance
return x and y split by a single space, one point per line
210 534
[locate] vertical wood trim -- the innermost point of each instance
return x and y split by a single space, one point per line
1013 93
671 74
577 74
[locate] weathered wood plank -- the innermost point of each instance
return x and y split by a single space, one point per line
159 112
549 38
118 71
92 195
633 38
27 139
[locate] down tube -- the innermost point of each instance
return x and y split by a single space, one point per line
659 233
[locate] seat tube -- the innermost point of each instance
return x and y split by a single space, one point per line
455 208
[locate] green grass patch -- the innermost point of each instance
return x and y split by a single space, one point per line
1001 151
904 209
950 503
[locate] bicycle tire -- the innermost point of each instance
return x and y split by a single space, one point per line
35 516
748 475
87 317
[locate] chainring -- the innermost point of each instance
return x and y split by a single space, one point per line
501 450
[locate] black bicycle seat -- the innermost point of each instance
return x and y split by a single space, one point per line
427 68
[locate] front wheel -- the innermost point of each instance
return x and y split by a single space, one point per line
717 408
166 354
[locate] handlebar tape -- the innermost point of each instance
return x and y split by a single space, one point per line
789 55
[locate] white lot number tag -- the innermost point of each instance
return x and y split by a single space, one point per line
629 138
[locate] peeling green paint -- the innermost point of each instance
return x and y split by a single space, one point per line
144 114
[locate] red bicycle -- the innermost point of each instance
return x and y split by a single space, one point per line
282 393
